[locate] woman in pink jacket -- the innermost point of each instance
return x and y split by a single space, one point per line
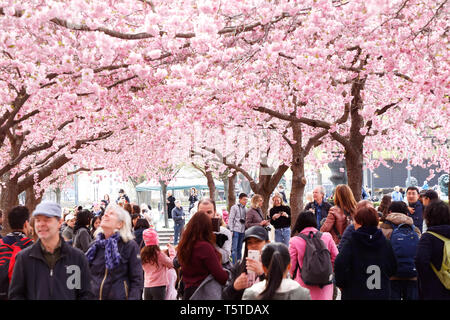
155 264
306 222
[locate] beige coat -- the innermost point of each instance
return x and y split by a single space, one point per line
397 219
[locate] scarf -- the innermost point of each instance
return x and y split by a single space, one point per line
112 255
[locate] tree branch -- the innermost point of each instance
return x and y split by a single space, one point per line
314 141
58 162
432 18
380 112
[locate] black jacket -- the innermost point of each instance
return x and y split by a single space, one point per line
229 292
324 212
125 281
138 237
281 222
364 265
193 199
346 236
33 280
170 206
430 250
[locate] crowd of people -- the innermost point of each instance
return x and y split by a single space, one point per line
397 251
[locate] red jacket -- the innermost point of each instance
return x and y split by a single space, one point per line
202 263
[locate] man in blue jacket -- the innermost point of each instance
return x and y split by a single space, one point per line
415 207
319 206
50 269
178 217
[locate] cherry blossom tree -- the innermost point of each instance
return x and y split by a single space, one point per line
116 84
371 74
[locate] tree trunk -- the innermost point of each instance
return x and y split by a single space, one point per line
354 149
297 189
9 198
265 193
31 201
211 185
224 180
58 195
354 162
231 194
164 203
298 174
267 184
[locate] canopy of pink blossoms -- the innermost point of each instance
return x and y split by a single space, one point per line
136 85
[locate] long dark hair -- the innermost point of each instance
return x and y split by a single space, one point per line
199 228
141 224
94 219
304 220
275 257
384 206
149 254
83 220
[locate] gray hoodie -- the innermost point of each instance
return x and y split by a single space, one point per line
236 219
288 290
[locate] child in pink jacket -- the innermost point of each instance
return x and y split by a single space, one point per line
155 264
306 222
172 277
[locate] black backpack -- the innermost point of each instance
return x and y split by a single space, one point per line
7 260
317 268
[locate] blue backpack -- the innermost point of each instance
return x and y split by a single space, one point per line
404 241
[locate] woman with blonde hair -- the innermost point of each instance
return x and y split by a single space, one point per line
341 214
114 259
280 218
255 216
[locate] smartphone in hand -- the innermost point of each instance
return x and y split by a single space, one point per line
251 275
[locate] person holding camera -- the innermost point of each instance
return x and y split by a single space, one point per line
280 218
223 235
123 197
255 216
236 224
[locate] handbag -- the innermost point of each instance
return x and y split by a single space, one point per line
209 289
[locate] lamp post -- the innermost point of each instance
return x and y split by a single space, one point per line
408 167
371 184
75 181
